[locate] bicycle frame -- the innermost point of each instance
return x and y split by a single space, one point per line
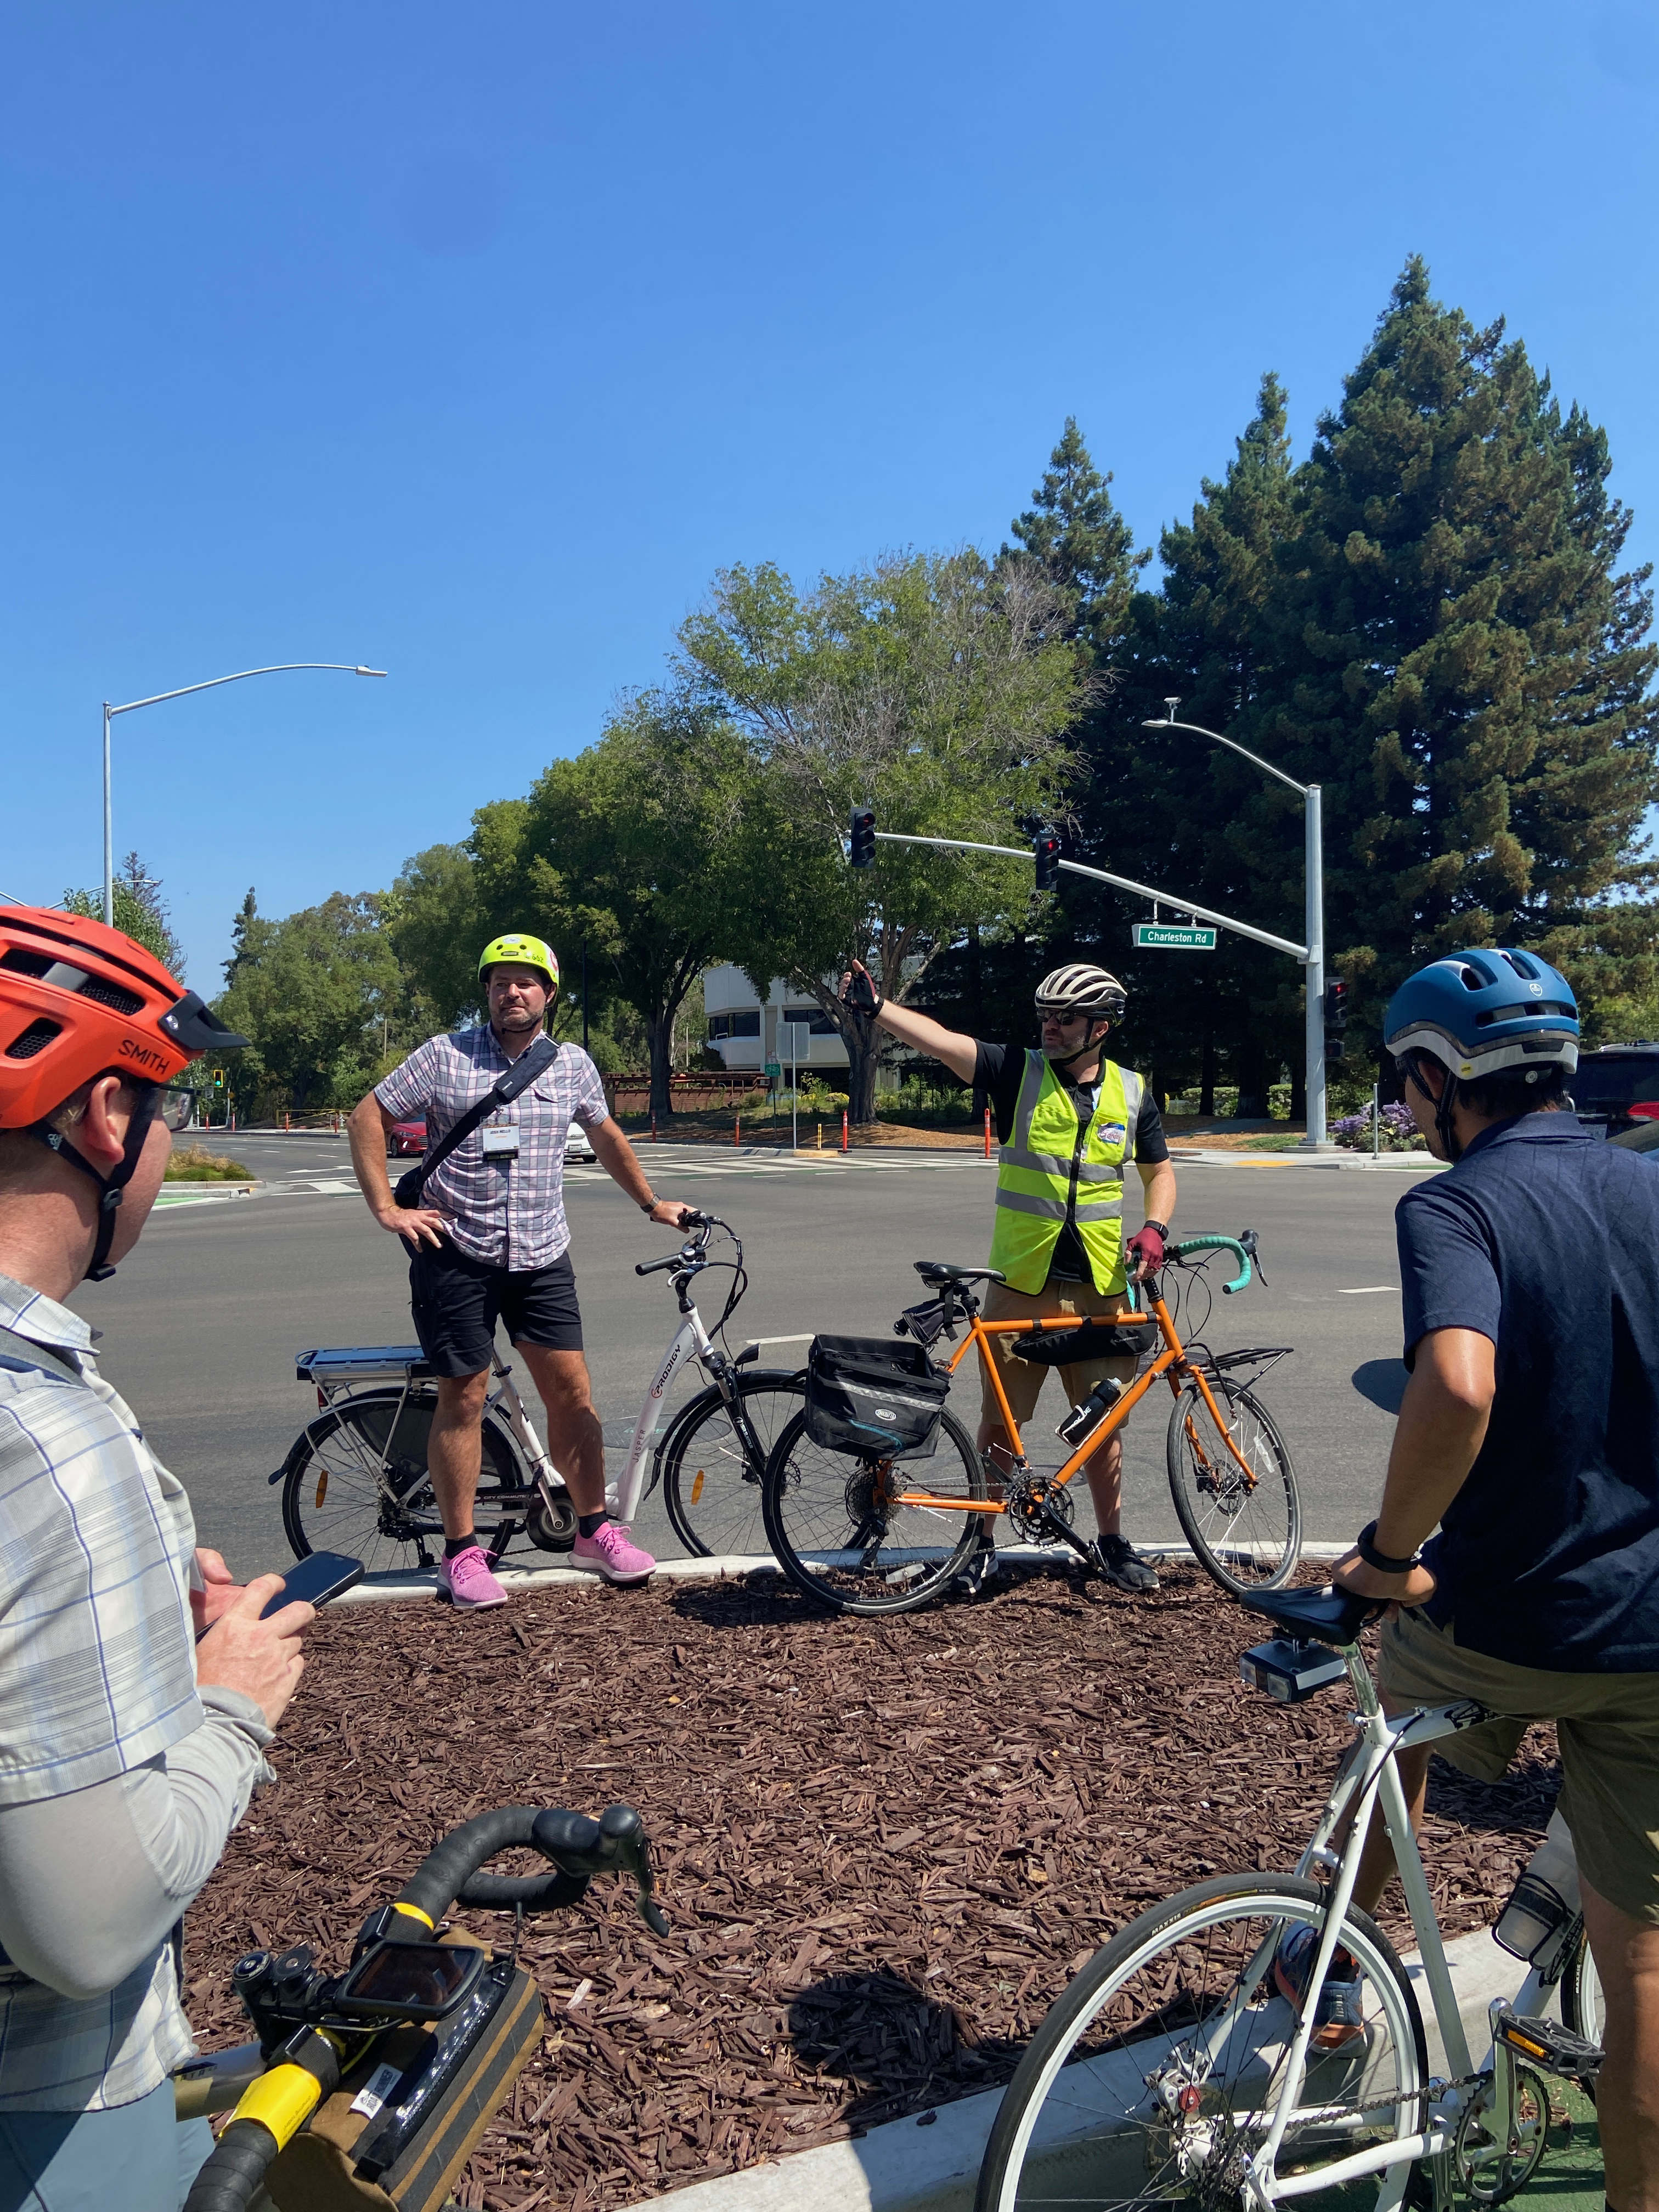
1370 1778
1171 1362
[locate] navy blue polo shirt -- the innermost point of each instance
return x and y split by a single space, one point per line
1546 1238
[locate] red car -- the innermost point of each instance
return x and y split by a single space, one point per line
404 1138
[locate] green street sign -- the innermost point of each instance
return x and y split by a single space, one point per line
1172 937
774 1071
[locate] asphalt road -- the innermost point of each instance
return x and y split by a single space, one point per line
201 1322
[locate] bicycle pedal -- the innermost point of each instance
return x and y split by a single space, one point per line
1548 2044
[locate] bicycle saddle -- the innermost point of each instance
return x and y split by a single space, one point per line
941 1271
1330 1613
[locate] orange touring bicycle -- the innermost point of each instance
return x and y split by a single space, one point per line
877 1498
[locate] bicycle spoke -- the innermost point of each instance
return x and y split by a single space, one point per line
711 1486
1244 1521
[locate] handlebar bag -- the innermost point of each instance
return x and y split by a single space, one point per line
874 1396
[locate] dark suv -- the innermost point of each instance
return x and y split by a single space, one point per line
1617 1087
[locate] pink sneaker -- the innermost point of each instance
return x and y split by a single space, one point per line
466 1580
610 1551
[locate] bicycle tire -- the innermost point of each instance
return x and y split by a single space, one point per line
1072 2131
339 1456
714 1498
816 1499
1246 1540
1583 2007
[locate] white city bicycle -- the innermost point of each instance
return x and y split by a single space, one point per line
356 1479
1187 2062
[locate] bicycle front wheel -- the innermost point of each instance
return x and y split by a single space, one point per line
871 1536
357 1481
1245 1527
1582 2006
1156 2078
713 1474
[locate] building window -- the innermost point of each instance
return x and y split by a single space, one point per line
815 1018
744 1023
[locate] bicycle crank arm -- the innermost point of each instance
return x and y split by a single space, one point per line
1053 1526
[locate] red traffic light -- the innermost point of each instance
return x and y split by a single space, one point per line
1336 1006
1045 850
862 844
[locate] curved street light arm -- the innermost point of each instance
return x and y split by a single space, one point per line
1233 746
278 668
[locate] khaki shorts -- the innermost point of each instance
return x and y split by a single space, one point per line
1020 1378
1609 1729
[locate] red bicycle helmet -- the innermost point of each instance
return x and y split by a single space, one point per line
79 999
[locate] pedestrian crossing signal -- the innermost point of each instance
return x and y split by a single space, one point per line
1045 849
862 847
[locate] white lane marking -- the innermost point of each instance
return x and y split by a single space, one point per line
1369 1291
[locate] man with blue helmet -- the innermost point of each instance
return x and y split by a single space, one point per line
1528 1434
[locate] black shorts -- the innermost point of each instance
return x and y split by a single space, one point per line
457 1301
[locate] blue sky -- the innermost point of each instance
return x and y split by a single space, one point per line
469 342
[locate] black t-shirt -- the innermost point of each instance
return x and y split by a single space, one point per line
1545 1238
999 1071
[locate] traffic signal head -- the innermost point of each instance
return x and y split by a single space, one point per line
1336 1006
218 1078
1045 848
863 842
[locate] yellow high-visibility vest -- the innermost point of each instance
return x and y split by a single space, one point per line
1049 1165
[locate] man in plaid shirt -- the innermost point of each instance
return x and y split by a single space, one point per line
138 1684
490 1243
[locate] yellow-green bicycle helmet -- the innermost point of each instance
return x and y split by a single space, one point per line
522 951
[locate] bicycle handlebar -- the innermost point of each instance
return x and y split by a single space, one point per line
1243 1247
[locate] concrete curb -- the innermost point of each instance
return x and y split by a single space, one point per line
731 1566
1342 1163
930 2162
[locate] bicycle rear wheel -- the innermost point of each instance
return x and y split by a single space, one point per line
1154 2079
1246 1530
357 1481
710 1485
840 1532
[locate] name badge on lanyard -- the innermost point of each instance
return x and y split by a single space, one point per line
501 1138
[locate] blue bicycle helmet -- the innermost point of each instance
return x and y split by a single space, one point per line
1481 1011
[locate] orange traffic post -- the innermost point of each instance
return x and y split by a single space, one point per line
820 1136
737 1129
653 1128
844 1146
988 1132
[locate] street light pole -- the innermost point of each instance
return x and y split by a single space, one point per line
1313 956
280 668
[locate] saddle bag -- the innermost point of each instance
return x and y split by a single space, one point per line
873 1397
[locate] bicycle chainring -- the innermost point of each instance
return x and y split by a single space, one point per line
1033 1505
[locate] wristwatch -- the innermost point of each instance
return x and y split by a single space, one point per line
1161 1227
1380 1560
650 1206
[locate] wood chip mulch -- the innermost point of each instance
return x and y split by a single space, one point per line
882 1847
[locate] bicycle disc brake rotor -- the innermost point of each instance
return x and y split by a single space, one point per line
1034 1506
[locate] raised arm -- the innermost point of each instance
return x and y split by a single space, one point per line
958 1052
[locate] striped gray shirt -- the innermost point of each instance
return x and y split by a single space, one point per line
506 1213
97 1676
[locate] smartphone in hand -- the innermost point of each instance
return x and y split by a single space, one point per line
314 1580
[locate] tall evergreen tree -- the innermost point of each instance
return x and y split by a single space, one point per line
1455 655
1073 528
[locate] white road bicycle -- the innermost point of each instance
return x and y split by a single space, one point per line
356 1479
1187 2063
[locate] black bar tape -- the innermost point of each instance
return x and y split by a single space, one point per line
234 2174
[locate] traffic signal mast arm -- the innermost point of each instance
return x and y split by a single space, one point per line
1120 883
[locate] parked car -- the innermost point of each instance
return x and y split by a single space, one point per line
1617 1087
578 1145
405 1140
1640 1136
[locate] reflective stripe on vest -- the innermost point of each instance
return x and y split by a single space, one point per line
1034 1179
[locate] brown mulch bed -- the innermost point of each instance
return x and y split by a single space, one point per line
883 1846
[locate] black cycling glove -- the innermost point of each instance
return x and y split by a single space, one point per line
862 994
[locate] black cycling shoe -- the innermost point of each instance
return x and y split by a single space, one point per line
1122 1569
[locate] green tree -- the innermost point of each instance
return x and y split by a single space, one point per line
936 688
140 910
311 993
1457 656
1072 529
645 845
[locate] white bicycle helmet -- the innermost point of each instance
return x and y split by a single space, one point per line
1082 989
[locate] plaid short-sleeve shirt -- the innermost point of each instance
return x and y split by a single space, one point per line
507 1212
97 1675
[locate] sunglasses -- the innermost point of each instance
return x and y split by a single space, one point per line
176 1107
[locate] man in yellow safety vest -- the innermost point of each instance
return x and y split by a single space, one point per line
1068 1118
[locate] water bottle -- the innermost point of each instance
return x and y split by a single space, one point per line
1544 1903
1083 1419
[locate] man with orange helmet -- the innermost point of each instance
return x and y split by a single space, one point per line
138 1684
